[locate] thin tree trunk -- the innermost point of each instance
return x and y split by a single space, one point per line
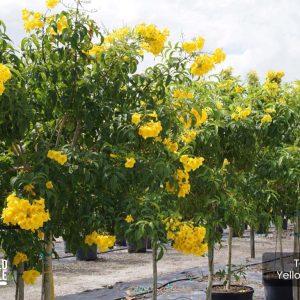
252 242
228 277
61 126
154 265
20 282
76 133
210 270
296 283
48 283
279 233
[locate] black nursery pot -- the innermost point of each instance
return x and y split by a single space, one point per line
285 224
245 293
87 254
121 243
138 247
262 229
277 289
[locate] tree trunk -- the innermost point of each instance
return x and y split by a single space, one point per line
228 277
154 265
252 242
279 233
48 283
20 282
210 270
296 283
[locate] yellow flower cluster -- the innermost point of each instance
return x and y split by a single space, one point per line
118 34
153 115
153 40
184 186
102 241
272 88
192 46
202 65
32 20
239 89
136 118
170 145
57 156
40 235
218 56
129 219
266 119
240 113
188 239
190 163
188 136
181 94
30 276
19 258
61 24
205 63
130 162
96 50
182 176
150 129
169 188
21 212
275 76
199 119
49 185
270 110
51 3
171 226
5 75
29 189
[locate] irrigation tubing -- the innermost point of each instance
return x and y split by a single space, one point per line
111 250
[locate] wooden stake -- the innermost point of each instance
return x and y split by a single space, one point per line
228 277
154 264
210 270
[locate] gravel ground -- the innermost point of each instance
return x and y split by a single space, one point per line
72 276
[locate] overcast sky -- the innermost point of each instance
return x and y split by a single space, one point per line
255 34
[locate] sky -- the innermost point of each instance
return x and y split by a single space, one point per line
256 35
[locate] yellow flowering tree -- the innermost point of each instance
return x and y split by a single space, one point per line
83 127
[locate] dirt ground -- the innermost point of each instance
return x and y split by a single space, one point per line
72 276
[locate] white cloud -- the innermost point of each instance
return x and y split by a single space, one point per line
255 34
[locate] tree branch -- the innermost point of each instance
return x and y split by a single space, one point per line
76 133
61 126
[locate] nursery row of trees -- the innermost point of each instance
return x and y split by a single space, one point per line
93 150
